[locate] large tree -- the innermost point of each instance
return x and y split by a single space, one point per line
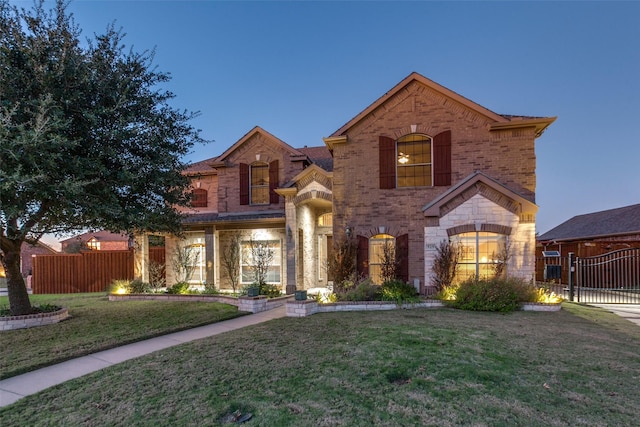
88 138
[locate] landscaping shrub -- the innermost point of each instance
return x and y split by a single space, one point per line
362 291
398 291
502 295
180 288
137 286
210 289
271 291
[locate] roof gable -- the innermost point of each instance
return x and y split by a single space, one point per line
415 77
251 134
624 220
479 183
496 121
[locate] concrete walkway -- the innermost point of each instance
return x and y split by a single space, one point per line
15 388
631 312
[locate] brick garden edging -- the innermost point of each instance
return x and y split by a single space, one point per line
309 307
8 323
248 304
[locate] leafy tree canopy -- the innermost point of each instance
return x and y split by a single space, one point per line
87 137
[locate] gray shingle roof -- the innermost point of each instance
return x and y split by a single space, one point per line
625 220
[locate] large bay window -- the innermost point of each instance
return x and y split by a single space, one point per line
480 252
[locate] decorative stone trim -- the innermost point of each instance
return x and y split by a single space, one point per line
174 297
310 307
8 323
540 306
248 304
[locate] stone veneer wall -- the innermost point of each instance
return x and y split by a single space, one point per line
479 210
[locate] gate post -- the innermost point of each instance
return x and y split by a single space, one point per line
572 269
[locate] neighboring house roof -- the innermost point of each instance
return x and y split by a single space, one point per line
625 220
102 236
499 122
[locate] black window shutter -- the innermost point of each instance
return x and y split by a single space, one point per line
402 256
244 184
442 159
387 152
274 198
362 259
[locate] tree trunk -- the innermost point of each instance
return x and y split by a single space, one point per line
19 303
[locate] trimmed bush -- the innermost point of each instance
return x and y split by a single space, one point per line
398 291
363 291
502 295
180 288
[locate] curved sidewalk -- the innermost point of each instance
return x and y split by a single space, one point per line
15 388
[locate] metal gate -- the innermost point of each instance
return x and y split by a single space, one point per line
612 278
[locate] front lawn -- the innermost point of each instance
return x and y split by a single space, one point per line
420 367
97 324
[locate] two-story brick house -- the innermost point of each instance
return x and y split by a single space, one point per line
420 165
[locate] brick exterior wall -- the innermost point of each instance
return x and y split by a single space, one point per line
507 156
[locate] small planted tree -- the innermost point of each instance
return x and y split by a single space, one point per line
262 254
501 258
230 257
184 257
342 263
389 262
445 265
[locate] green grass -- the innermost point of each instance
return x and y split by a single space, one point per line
444 367
97 324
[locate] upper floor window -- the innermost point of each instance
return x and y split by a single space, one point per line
258 182
199 199
414 161
259 173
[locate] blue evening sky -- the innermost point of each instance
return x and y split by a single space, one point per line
302 69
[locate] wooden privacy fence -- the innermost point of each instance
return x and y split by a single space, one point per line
85 272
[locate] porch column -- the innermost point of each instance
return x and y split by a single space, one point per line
291 231
141 257
210 255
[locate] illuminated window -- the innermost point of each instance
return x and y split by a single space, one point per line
382 249
93 244
325 220
479 253
265 253
414 161
259 178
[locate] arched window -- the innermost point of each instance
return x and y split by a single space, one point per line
382 258
259 178
414 161
481 253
